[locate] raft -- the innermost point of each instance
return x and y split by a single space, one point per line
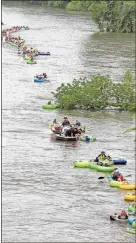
49 107
131 231
119 161
116 217
93 165
130 197
88 139
31 62
82 164
38 80
128 187
115 183
64 138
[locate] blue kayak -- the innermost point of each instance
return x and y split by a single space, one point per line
119 161
39 80
44 53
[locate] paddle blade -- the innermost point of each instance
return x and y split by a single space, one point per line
101 177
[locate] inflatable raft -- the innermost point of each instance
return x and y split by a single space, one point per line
39 80
31 62
93 165
82 164
49 107
118 218
128 187
130 197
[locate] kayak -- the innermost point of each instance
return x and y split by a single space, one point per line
93 165
128 187
130 197
119 161
116 217
43 53
82 164
31 62
38 80
88 139
49 107
12 44
131 231
115 183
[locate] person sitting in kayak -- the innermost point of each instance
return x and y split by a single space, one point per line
115 174
101 156
65 122
123 215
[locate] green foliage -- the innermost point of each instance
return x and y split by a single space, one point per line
99 92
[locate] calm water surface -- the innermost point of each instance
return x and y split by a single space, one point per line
43 197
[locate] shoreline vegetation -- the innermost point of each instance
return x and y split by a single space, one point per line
97 93
110 15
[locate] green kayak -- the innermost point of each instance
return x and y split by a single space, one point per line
93 165
31 62
49 107
82 164
12 44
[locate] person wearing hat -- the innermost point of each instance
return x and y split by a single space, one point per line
101 156
65 122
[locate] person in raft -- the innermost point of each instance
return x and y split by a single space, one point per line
65 122
101 156
123 215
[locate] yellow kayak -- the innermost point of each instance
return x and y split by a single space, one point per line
127 187
130 197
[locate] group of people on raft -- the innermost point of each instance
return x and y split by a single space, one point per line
6 35
72 131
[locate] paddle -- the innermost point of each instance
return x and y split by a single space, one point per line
102 177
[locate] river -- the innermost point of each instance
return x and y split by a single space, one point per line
43 197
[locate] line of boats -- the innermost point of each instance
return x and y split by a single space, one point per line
107 166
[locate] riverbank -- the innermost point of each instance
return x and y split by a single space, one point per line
110 16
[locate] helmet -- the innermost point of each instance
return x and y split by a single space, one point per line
102 152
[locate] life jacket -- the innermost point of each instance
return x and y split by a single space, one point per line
102 157
57 128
